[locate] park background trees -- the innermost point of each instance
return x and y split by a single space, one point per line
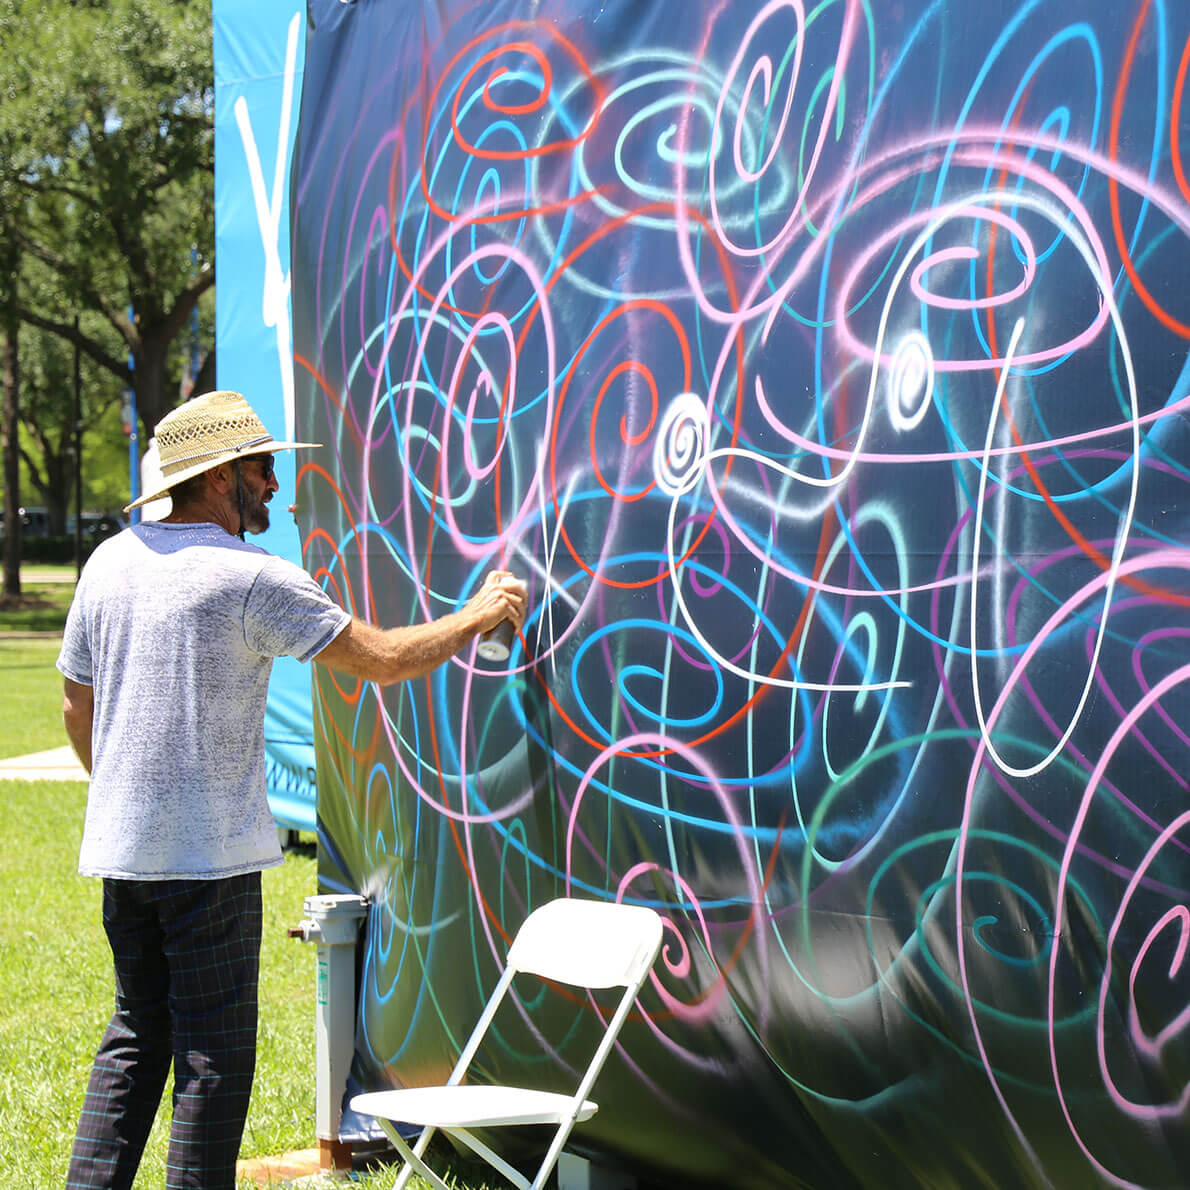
106 225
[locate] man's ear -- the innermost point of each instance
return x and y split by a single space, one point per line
222 478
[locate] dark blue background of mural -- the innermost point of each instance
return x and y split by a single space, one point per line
824 374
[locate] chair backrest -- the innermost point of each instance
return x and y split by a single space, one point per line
591 944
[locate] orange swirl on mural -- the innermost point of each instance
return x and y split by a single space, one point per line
545 32
1117 113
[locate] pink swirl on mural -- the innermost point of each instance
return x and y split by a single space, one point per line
491 320
523 502
1142 1038
945 255
689 191
1158 559
927 223
762 71
1179 677
748 870
678 962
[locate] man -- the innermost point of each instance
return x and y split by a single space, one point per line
166 658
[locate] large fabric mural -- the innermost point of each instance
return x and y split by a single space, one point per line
822 368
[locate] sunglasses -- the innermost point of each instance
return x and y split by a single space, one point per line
266 466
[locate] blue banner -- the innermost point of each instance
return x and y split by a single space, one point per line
259 50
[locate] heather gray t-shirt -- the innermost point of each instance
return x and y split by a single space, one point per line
176 627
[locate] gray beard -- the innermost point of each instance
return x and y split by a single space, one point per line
256 515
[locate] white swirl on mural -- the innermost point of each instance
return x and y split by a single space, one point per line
911 382
1122 536
680 447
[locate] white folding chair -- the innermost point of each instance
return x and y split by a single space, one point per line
588 944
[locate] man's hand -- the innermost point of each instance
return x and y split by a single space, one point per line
502 597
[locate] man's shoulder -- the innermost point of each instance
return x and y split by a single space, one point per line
158 552
165 538
283 572
112 551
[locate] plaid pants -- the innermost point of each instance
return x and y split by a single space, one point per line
187 960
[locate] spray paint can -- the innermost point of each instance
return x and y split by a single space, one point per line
496 643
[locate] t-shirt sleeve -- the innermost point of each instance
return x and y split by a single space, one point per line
74 658
287 614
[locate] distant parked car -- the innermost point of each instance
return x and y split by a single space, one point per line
97 526
35 522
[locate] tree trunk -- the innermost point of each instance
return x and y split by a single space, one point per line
204 382
12 459
151 383
55 494
52 474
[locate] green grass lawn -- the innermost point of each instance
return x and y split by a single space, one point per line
31 706
43 605
56 980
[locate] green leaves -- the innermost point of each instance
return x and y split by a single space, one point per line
107 185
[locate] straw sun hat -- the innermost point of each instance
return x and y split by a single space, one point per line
215 428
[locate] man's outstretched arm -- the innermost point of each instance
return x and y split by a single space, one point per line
389 655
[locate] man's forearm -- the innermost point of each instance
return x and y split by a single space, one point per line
390 655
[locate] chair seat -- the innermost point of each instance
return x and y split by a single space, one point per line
473 1106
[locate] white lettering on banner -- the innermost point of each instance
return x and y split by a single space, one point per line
275 295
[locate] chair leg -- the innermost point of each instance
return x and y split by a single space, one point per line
492 1158
414 1162
412 1156
555 1151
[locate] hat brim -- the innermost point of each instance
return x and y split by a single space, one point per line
228 456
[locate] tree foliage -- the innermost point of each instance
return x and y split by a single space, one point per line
107 157
48 418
